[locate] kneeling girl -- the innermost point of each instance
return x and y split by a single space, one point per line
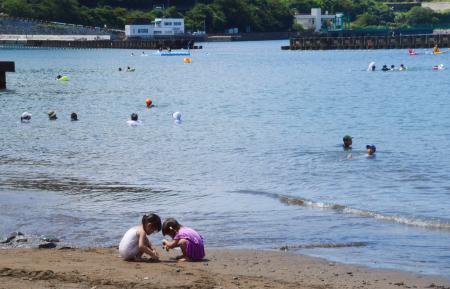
135 242
190 242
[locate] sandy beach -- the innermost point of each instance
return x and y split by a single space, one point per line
102 268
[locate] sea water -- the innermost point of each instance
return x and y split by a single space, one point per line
256 162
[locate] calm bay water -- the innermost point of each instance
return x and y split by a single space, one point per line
256 162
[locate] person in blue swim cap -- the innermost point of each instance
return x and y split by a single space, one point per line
371 149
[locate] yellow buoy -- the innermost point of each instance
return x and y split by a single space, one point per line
187 60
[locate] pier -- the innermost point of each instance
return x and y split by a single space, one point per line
324 42
173 43
5 66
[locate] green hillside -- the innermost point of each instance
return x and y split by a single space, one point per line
218 15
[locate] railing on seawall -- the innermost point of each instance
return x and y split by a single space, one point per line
368 42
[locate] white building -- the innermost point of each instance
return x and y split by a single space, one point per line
159 27
316 20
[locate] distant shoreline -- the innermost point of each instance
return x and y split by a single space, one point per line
102 268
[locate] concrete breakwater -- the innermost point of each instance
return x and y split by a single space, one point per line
368 42
173 43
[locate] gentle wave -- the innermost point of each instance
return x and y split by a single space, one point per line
73 185
326 245
423 222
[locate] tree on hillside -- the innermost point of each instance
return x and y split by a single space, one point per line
17 8
205 17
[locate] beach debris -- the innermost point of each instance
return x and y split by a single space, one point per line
50 238
21 239
399 284
145 278
178 270
66 248
11 237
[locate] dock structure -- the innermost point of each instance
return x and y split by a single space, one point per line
5 66
173 43
368 42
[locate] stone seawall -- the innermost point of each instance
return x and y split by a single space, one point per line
368 42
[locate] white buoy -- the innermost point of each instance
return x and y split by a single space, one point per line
177 117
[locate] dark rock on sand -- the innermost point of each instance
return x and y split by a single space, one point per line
49 245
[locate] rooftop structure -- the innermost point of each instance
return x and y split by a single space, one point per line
317 21
159 27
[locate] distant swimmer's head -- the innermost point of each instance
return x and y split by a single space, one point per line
73 116
52 115
371 149
148 102
151 223
134 116
177 116
25 117
348 141
120 68
392 66
59 76
373 67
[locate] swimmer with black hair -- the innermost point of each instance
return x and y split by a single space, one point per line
134 120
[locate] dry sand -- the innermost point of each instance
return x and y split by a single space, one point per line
102 268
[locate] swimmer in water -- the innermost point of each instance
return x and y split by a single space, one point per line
73 116
25 117
385 68
134 120
371 149
402 67
52 115
347 142
177 117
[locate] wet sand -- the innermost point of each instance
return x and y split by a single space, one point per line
102 268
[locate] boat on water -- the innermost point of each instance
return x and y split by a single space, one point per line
173 53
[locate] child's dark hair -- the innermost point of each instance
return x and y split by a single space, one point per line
169 225
154 219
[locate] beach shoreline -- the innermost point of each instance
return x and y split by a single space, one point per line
223 268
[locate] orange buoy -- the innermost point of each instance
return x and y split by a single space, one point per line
187 60
148 102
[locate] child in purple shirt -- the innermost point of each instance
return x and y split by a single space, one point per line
190 242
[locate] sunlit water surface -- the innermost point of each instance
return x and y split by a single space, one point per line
256 161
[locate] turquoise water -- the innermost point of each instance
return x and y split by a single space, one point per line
256 161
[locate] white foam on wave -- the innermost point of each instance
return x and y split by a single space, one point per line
423 222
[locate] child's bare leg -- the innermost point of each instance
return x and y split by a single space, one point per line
183 245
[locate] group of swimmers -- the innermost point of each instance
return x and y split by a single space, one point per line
372 67
135 242
26 116
129 69
348 141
